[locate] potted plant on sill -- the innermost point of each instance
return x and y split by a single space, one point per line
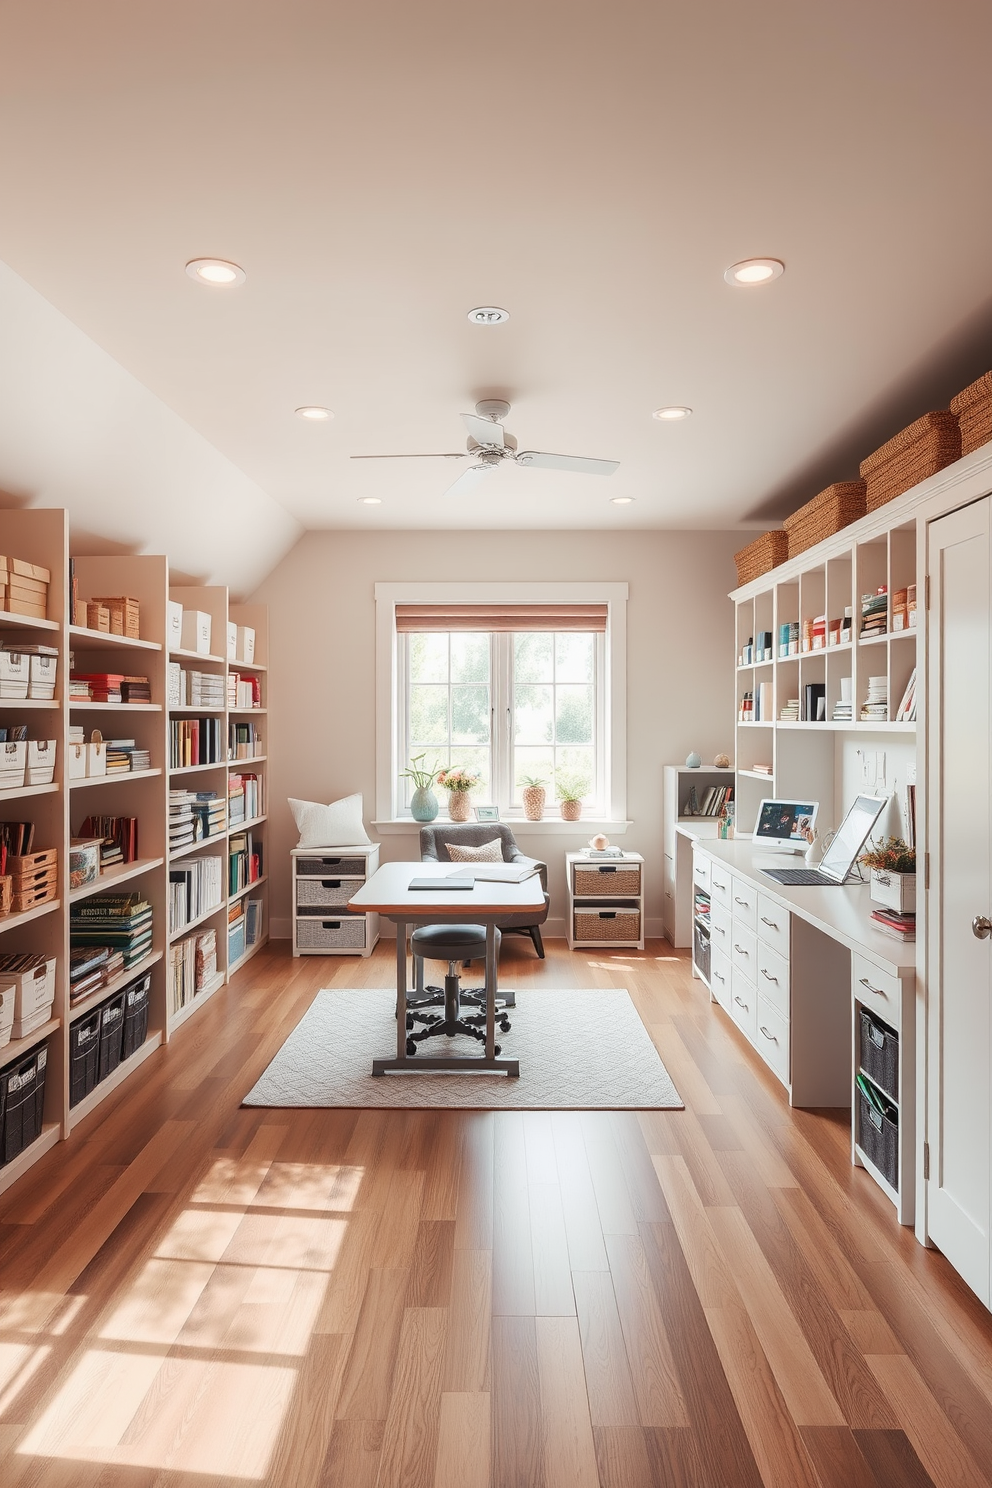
423 801
893 874
570 789
459 784
534 796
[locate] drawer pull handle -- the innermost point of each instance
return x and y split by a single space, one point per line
768 976
742 901
741 1003
719 976
772 924
330 883
768 1035
740 949
877 990
719 929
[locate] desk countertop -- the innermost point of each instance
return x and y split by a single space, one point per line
843 913
387 892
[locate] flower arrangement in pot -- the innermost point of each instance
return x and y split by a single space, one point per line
459 784
423 801
533 796
570 789
893 874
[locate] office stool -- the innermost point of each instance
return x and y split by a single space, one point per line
451 943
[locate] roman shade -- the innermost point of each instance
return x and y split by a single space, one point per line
418 618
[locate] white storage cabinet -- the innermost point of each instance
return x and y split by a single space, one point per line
324 879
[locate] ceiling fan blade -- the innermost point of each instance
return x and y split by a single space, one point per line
469 479
483 430
448 455
578 463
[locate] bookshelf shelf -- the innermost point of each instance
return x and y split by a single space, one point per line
198 656
27 622
247 666
13 1050
95 640
51 1133
255 884
190 769
179 1017
252 950
20 791
245 764
121 874
113 777
107 1087
86 1004
246 826
184 710
33 704
77 707
201 919
253 712
13 921
215 840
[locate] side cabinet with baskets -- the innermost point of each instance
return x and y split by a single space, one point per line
324 879
605 900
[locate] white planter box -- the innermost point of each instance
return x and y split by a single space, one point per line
894 890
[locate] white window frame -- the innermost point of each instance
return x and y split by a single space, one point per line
612 693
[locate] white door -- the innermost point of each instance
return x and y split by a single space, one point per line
959 698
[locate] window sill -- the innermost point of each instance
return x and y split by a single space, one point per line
519 826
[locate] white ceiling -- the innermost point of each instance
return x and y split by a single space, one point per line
380 168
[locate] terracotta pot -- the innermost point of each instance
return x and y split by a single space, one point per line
534 797
459 805
571 810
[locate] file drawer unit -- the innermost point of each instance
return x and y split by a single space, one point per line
887 1060
324 879
605 901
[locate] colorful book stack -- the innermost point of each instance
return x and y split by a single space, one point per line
181 820
789 635
91 968
875 613
244 798
195 887
245 862
899 925
243 692
192 967
714 800
194 741
209 815
123 922
244 741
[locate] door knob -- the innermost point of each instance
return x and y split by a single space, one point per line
981 927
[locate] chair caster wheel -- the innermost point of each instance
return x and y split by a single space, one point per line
409 1024
497 1049
411 1047
504 1026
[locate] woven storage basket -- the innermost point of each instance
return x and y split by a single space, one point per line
6 893
759 557
836 507
919 450
973 407
624 883
619 924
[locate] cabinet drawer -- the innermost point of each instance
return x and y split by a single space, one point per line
607 880
721 927
772 1038
326 892
743 1003
744 902
701 870
878 990
720 977
330 867
773 924
773 977
721 880
742 950
317 935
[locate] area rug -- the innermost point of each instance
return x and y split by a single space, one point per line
578 1050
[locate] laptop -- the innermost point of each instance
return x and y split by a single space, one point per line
841 856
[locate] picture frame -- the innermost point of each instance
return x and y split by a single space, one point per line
487 813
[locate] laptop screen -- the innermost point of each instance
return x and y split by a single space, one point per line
852 834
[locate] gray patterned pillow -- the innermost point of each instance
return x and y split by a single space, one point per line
486 852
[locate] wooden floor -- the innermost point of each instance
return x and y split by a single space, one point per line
196 1295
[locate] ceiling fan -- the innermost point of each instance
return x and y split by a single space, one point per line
489 444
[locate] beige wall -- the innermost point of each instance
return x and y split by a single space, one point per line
680 693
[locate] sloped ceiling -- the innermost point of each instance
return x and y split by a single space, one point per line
380 168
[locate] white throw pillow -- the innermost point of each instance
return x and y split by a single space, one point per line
486 852
337 825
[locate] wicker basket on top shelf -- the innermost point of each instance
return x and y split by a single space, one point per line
973 407
836 507
919 450
765 553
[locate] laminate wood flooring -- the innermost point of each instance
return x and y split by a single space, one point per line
196 1296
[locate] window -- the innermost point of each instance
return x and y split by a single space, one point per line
513 682
512 707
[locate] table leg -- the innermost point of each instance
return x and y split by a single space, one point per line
491 975
401 989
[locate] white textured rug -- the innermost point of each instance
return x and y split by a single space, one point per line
578 1050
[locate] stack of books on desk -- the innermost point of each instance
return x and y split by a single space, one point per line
790 713
892 922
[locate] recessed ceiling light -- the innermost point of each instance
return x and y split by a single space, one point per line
215 271
370 500
752 271
621 500
488 315
671 415
313 414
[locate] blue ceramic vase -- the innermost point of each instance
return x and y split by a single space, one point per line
423 804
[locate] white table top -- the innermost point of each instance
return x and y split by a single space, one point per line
842 912
387 892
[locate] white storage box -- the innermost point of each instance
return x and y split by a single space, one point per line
246 643
232 641
6 1015
895 890
15 674
196 632
21 1027
44 670
77 761
173 624
33 990
96 757
41 761
13 763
